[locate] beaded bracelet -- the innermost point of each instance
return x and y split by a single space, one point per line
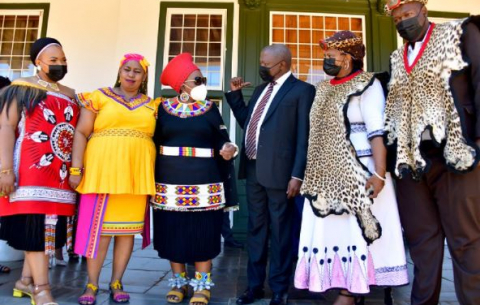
75 171
379 177
6 171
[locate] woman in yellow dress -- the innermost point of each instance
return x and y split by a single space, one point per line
113 159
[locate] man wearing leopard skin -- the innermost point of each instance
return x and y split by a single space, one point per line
432 125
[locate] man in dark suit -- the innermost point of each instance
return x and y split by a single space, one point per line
273 158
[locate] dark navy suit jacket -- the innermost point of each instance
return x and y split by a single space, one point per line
283 139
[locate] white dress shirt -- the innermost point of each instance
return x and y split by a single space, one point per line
413 52
279 83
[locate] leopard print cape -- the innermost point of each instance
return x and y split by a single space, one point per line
421 99
335 179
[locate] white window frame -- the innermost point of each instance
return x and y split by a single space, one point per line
198 11
20 12
314 14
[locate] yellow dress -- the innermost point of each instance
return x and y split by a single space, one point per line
119 158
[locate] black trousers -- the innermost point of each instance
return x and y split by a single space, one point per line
269 219
442 205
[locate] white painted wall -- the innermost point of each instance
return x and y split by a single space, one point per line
96 33
458 6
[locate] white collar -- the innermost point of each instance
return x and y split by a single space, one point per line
420 43
283 78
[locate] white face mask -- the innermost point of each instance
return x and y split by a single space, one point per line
199 93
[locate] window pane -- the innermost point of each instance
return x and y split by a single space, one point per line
278 21
175 48
175 35
6 48
201 49
177 21
291 21
214 49
304 22
343 24
215 21
189 20
330 23
317 22
202 35
302 32
32 35
188 47
278 35
18 48
20 35
291 36
33 21
216 35
202 21
304 36
188 35
9 22
7 35
21 22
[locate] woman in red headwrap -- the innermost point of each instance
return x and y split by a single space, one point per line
112 167
193 175
351 236
38 116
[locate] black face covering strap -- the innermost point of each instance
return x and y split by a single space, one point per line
39 45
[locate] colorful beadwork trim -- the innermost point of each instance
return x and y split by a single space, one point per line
186 152
122 228
132 104
183 110
119 132
186 190
188 197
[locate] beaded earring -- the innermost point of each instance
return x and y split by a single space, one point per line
184 97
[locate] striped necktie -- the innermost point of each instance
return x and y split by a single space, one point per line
251 142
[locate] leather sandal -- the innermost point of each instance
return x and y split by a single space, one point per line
86 299
118 297
178 293
24 288
42 292
200 296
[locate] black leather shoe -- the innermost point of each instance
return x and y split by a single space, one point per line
233 244
250 295
279 299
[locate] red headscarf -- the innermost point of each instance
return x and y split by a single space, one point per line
178 70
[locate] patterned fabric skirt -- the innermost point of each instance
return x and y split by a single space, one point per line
107 215
334 254
26 232
183 237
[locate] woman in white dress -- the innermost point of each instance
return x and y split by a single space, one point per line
351 236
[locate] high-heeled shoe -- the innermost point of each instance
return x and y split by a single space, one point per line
24 288
41 292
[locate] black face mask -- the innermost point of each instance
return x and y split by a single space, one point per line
265 73
330 68
56 72
410 29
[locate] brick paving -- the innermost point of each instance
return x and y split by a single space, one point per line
147 275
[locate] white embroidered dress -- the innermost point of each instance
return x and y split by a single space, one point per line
332 251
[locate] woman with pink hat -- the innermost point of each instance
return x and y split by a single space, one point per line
112 167
193 175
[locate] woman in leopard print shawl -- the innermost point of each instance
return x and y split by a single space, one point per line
351 236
